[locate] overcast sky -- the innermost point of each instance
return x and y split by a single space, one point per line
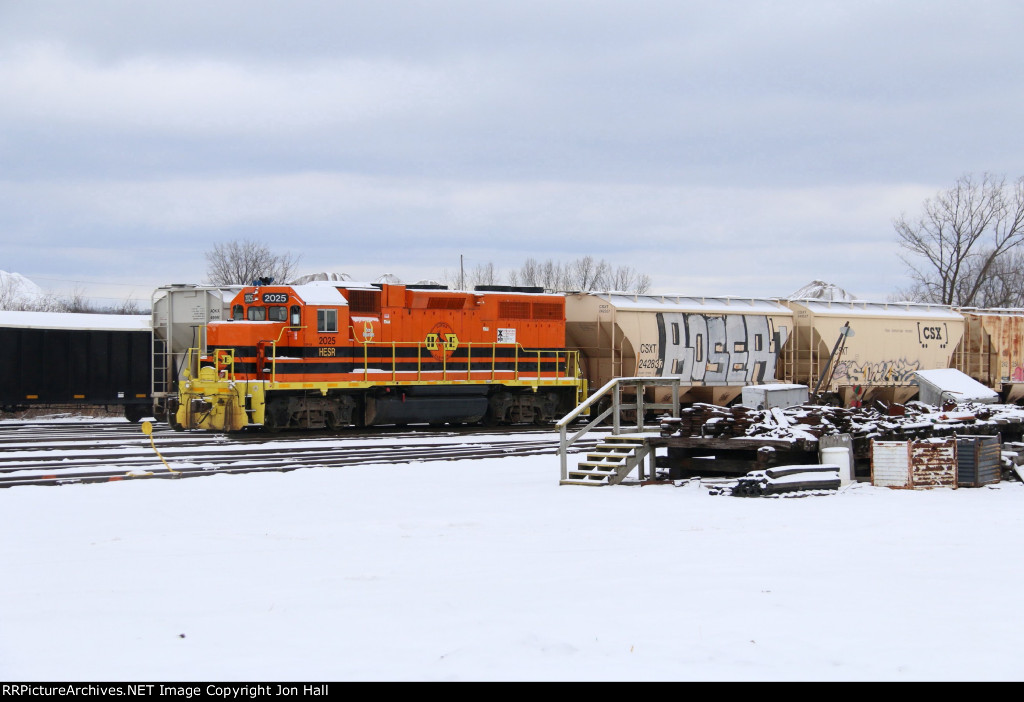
734 147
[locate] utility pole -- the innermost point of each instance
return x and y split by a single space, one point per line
462 275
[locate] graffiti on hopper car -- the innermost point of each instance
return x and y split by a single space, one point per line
735 349
898 371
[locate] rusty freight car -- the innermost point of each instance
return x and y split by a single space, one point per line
991 350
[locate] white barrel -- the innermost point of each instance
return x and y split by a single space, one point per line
839 456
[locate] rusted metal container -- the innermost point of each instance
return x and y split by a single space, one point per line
979 460
929 463
933 463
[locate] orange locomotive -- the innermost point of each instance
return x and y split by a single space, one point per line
329 354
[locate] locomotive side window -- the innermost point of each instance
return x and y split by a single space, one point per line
296 313
277 314
327 320
257 314
237 312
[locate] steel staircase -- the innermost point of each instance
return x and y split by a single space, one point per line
614 458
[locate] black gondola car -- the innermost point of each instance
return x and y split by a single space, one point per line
58 359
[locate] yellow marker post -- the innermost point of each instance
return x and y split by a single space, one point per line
147 429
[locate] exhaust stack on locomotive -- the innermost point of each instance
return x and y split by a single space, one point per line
328 354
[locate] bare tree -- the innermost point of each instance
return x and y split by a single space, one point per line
77 302
586 273
959 242
529 273
1003 286
551 275
482 274
126 306
628 279
242 262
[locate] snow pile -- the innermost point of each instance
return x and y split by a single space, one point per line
820 290
312 277
18 292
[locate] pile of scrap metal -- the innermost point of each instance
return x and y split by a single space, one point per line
787 481
1012 460
804 425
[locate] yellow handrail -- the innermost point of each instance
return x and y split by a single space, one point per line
566 362
569 358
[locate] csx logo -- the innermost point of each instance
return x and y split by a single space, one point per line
929 334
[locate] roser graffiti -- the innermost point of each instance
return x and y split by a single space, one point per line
726 349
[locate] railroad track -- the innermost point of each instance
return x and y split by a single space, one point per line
105 452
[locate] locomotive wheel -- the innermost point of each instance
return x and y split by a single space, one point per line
331 421
490 417
134 413
172 415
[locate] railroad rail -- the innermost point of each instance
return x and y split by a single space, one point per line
61 454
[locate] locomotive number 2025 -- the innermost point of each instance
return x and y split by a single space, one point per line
327 346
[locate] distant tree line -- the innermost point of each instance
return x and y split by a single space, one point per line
582 274
965 248
243 261
14 298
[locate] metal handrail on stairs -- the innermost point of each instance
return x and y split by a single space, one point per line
614 389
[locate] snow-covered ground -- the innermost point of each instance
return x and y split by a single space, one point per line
489 570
